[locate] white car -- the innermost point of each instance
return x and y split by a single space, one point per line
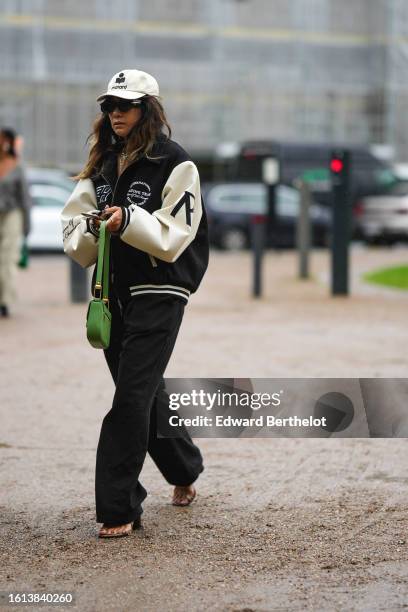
49 176
48 201
384 218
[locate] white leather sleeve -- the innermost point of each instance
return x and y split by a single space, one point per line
79 242
167 232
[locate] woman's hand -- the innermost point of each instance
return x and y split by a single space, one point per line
115 218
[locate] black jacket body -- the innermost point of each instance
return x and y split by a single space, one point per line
162 244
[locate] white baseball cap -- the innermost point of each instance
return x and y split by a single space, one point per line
131 85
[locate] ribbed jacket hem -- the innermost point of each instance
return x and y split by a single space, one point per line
181 292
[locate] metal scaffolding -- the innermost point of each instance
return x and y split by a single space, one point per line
229 70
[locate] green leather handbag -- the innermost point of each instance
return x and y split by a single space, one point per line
99 317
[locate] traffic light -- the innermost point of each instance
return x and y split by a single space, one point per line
340 168
336 165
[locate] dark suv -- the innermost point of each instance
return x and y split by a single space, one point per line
368 173
230 207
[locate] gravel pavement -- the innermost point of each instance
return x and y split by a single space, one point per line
279 524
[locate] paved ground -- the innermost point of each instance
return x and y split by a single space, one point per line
278 524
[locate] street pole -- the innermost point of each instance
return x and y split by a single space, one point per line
79 286
340 167
258 224
261 224
303 237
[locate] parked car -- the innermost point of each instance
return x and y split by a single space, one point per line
49 176
46 233
384 218
49 188
230 206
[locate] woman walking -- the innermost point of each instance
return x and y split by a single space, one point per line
15 204
149 191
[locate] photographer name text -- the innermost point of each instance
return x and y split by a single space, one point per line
259 421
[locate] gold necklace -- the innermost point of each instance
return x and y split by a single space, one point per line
123 157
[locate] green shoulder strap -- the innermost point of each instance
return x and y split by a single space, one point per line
101 290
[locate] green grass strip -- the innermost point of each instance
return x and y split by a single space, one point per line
396 277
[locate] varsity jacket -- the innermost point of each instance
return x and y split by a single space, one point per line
162 244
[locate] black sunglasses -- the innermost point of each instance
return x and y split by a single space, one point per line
110 104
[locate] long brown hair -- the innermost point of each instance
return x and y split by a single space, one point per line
139 142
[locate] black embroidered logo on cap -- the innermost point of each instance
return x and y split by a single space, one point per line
120 78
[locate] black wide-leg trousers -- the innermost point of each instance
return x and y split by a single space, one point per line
143 335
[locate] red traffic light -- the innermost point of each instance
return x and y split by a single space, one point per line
336 165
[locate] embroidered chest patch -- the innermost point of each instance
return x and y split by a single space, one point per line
103 193
138 193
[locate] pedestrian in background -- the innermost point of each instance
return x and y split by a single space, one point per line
15 204
149 189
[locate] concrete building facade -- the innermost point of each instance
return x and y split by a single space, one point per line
229 70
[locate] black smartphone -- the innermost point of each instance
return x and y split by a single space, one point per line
93 215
